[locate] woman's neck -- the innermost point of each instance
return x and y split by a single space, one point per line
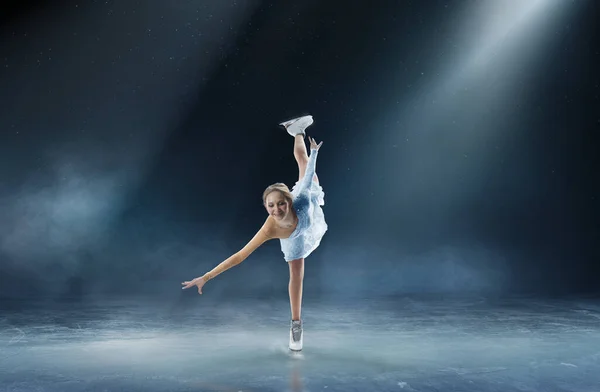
288 221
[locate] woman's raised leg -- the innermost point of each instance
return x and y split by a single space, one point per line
301 156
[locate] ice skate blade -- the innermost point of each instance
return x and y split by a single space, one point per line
306 117
295 346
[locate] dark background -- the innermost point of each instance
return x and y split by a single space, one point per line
460 145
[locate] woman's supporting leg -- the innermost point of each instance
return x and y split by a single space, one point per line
295 287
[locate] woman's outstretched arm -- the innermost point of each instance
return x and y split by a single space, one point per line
259 238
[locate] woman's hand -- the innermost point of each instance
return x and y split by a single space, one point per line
313 144
198 282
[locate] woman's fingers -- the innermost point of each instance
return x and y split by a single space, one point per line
187 284
313 143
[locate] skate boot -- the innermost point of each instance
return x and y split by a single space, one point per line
296 126
296 335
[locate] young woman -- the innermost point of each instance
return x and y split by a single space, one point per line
295 218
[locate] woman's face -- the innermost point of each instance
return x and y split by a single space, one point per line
277 206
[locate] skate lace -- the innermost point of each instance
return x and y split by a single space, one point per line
296 332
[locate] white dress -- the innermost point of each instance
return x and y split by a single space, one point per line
308 197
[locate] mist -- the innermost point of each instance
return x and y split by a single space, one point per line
137 141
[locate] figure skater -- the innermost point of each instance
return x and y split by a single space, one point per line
295 218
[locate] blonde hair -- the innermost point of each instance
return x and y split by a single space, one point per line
278 187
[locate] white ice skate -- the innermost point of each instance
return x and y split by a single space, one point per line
296 126
296 336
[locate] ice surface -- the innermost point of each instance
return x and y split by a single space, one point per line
403 344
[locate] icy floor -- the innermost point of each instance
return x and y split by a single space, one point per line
405 344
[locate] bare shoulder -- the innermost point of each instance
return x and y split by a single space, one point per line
272 230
